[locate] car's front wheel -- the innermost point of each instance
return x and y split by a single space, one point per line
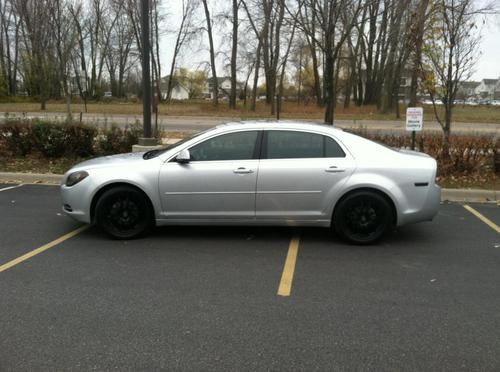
124 212
363 217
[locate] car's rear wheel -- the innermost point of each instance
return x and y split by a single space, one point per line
363 217
124 212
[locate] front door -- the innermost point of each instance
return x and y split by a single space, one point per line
217 183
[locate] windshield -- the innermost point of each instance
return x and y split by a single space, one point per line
157 152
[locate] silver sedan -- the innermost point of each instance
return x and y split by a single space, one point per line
257 173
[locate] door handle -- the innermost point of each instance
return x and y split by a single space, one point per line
334 169
242 170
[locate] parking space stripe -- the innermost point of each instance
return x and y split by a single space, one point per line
487 221
41 249
285 287
10 188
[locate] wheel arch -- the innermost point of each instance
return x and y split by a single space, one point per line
112 185
382 193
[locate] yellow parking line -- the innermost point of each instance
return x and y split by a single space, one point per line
285 287
41 249
487 221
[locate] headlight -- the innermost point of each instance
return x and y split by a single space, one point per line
76 177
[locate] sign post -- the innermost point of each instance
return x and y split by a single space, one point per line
414 122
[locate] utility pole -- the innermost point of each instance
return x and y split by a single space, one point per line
147 140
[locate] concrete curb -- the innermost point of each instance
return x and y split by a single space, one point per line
452 195
38 178
470 195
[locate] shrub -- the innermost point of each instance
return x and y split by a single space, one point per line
116 140
468 154
16 138
80 140
50 139
54 140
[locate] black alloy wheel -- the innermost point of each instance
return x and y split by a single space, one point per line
124 213
363 217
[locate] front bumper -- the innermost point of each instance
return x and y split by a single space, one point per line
76 201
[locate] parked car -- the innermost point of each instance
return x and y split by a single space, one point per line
257 173
495 102
471 102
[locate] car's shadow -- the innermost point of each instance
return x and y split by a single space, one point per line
399 237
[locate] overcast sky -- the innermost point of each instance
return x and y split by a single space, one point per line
487 67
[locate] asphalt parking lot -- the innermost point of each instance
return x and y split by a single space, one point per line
205 298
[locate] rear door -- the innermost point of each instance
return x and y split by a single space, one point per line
298 173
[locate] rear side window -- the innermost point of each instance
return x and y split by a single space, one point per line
232 146
294 145
333 149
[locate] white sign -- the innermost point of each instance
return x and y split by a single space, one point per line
414 118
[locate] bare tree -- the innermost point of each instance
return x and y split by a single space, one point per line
184 33
121 53
450 53
334 20
258 53
65 39
270 14
36 37
9 45
311 42
283 69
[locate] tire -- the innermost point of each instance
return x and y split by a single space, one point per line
363 217
124 213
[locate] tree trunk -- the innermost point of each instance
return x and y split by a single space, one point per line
256 77
417 56
234 51
215 84
69 115
329 87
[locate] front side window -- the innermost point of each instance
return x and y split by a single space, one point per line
232 146
294 145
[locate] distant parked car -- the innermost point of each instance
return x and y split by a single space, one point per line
257 174
495 102
108 95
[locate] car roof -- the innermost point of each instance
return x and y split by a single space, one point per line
285 124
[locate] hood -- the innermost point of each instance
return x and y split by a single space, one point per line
111 160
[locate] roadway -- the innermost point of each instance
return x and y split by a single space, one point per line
198 123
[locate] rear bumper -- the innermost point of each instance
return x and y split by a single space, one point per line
427 210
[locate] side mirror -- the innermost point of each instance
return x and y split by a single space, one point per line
183 157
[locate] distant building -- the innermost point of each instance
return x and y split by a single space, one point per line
496 92
486 88
467 90
179 91
224 87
